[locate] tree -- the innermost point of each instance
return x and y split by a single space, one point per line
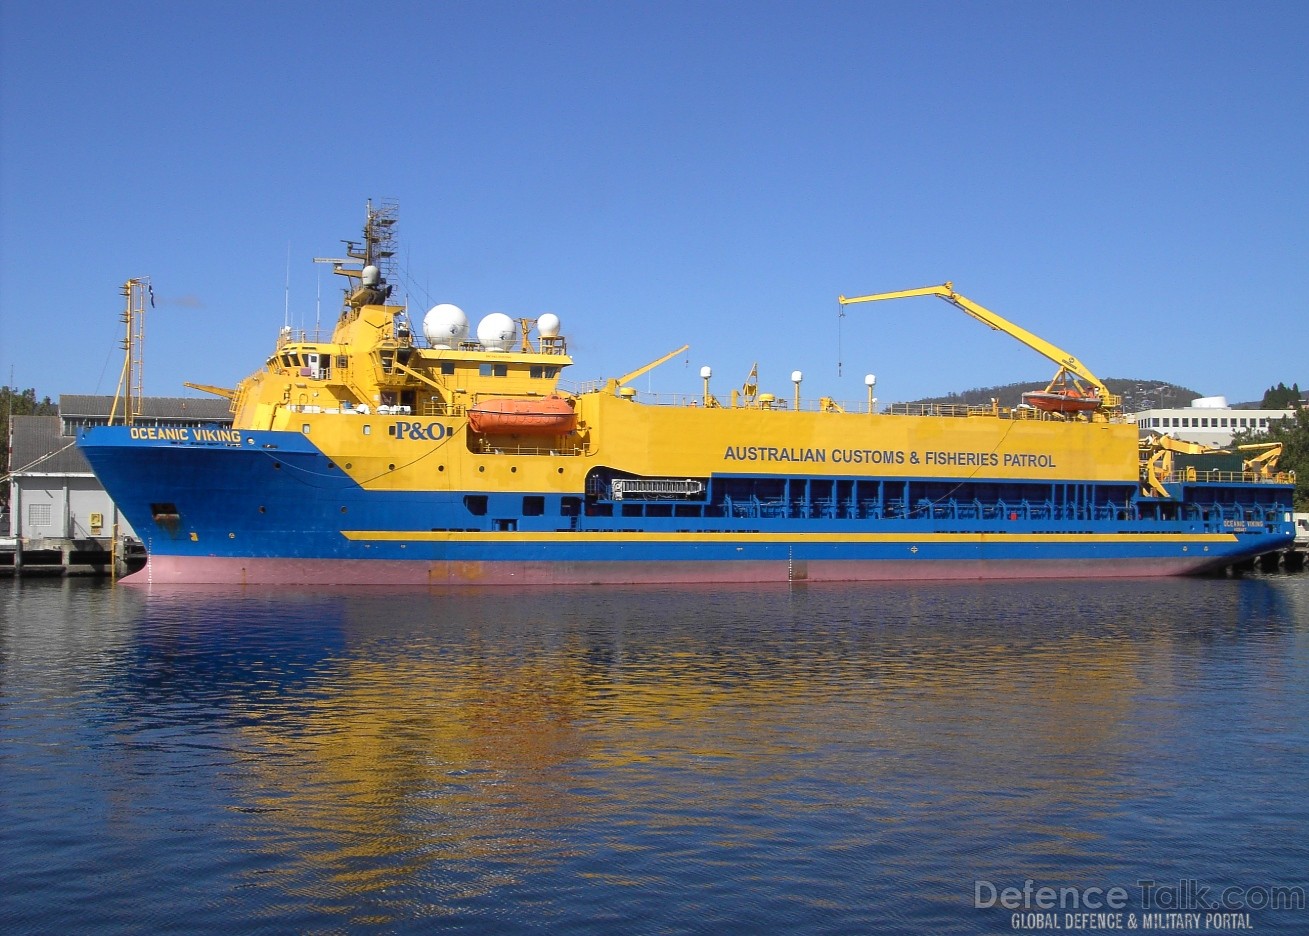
1293 433
1281 397
18 403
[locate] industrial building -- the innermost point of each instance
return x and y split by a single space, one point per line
60 518
1209 421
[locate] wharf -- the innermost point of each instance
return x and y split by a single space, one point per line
1291 559
48 556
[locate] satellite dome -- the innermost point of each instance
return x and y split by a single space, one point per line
547 326
496 332
445 326
370 275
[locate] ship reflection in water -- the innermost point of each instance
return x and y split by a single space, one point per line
822 759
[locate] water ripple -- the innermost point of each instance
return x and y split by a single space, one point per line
819 760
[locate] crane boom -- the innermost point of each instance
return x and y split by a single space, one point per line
613 385
1067 363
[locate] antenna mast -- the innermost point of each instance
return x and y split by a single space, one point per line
286 315
129 391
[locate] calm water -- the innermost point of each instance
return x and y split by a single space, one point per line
646 760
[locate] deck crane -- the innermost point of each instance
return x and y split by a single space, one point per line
1158 463
1065 393
618 385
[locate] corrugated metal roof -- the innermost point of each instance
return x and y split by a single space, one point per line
75 406
37 436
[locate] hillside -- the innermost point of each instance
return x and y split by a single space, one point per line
1137 394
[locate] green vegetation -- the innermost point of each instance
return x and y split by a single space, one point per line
1294 435
19 403
1281 397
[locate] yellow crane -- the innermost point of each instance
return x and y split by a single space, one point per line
1264 464
1157 460
615 386
1065 394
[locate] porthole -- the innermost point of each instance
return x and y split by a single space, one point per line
390 467
481 467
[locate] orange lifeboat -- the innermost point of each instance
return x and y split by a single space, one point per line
1066 400
544 416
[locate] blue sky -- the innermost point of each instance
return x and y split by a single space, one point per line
1127 180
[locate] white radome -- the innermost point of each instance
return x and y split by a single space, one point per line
445 325
496 332
547 326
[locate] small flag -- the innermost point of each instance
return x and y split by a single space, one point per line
151 289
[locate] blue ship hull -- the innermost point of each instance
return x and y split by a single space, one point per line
270 507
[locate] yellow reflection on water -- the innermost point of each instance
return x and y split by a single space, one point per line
456 742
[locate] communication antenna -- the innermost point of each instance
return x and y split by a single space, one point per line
286 314
130 383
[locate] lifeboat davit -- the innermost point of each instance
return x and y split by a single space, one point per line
1063 401
544 416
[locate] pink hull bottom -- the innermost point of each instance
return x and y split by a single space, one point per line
175 570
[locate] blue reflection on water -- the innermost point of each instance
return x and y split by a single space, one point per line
821 759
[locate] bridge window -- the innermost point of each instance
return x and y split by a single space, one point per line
447 367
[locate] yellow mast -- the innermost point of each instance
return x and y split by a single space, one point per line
130 382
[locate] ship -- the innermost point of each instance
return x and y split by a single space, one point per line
389 454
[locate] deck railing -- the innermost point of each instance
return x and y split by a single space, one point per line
1192 474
